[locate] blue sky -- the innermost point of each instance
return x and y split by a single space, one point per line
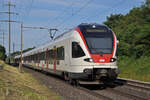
60 14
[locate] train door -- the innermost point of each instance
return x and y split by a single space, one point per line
67 55
47 57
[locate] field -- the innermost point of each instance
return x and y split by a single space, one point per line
22 86
137 69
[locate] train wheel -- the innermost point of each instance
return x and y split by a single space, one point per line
66 77
109 83
70 81
77 83
74 82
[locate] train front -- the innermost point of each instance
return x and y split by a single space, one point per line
101 46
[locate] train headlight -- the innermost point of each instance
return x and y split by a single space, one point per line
88 59
113 59
91 60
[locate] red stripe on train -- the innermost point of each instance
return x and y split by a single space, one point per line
78 30
114 45
47 65
97 57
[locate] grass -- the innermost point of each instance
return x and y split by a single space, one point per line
137 69
22 86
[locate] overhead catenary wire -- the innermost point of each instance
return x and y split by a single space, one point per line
108 9
62 13
29 10
76 12
69 17
86 19
24 8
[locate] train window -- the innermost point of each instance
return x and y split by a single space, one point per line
60 53
57 62
77 51
51 53
31 57
42 56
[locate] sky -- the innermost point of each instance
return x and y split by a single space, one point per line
60 14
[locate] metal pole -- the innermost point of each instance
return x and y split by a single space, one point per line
9 27
20 65
9 36
13 47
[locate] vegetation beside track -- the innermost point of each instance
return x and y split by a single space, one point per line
138 69
2 53
22 86
133 33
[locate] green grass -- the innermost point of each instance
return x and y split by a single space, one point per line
137 69
22 86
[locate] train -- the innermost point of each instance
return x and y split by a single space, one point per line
84 53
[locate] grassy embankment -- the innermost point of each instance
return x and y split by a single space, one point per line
138 69
22 86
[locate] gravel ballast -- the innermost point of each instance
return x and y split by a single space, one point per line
61 88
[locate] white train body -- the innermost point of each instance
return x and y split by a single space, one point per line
87 52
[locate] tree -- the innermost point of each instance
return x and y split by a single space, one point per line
133 31
18 52
2 53
148 2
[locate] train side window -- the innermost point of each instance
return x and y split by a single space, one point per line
42 56
51 54
60 53
77 51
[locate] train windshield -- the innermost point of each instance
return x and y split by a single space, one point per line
101 45
99 40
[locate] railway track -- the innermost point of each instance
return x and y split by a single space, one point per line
136 89
134 83
122 89
98 95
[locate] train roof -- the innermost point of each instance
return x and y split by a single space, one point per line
37 50
43 48
91 24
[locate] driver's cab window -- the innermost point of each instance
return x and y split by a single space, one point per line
77 51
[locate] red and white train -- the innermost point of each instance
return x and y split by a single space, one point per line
87 52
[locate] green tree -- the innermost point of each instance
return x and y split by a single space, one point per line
148 2
18 52
133 31
2 53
